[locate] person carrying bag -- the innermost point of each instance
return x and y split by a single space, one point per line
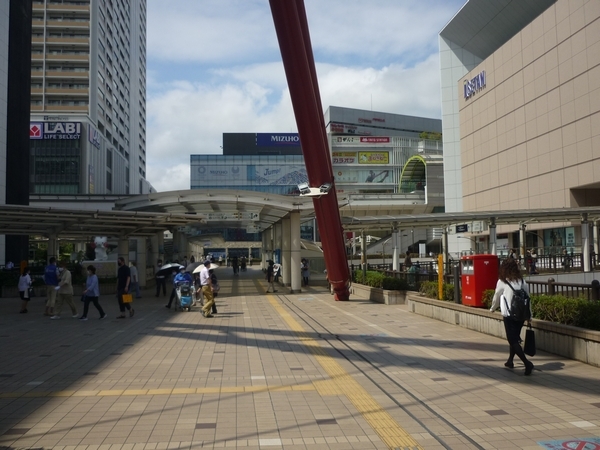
512 296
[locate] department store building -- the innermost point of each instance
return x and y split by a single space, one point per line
369 151
521 113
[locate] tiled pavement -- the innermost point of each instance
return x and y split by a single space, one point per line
278 371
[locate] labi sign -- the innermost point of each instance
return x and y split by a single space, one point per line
54 130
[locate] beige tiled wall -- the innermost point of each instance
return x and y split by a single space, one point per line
533 133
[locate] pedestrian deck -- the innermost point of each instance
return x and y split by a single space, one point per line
278 371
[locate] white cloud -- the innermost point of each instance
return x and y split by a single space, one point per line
172 178
214 67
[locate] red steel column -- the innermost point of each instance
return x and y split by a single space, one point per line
291 27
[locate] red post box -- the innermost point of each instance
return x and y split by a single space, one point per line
478 273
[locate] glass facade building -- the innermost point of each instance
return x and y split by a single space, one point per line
275 174
88 66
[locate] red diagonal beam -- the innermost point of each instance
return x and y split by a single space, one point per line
291 27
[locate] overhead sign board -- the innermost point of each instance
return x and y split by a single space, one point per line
361 140
232 216
463 228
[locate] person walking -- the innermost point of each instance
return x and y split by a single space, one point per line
305 271
214 282
534 256
24 285
173 295
123 283
91 294
271 277
407 261
509 280
65 292
51 280
236 265
207 291
160 280
135 280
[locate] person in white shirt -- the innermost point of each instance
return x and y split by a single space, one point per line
510 274
207 291
24 285
135 281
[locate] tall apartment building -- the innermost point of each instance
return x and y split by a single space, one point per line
88 97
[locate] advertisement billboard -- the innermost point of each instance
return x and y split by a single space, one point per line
373 157
363 176
344 158
230 175
250 175
278 175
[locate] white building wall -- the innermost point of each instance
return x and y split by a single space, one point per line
455 62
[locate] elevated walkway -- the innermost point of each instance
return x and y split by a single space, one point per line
278 371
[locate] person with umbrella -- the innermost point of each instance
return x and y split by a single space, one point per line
174 274
180 278
160 279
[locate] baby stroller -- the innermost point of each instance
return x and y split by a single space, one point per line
185 296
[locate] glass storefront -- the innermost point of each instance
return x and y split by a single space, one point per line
55 166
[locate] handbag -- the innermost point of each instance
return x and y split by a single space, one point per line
529 347
30 292
127 298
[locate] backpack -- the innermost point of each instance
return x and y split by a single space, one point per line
519 305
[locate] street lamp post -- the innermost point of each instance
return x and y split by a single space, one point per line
383 250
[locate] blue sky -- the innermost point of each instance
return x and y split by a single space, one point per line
214 66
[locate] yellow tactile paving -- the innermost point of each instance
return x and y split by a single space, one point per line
175 391
378 418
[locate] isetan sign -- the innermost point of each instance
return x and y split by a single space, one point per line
474 85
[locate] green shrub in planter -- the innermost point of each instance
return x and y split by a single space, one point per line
488 296
395 284
9 279
430 289
558 308
379 280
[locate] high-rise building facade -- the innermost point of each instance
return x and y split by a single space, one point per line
88 97
15 47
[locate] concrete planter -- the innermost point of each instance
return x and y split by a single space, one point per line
378 295
564 340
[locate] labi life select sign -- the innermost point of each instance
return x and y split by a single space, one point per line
54 130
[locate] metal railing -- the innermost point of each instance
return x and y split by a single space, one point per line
573 290
421 272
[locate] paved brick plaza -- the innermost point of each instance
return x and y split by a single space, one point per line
277 371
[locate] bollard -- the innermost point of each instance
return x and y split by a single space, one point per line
551 288
456 272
